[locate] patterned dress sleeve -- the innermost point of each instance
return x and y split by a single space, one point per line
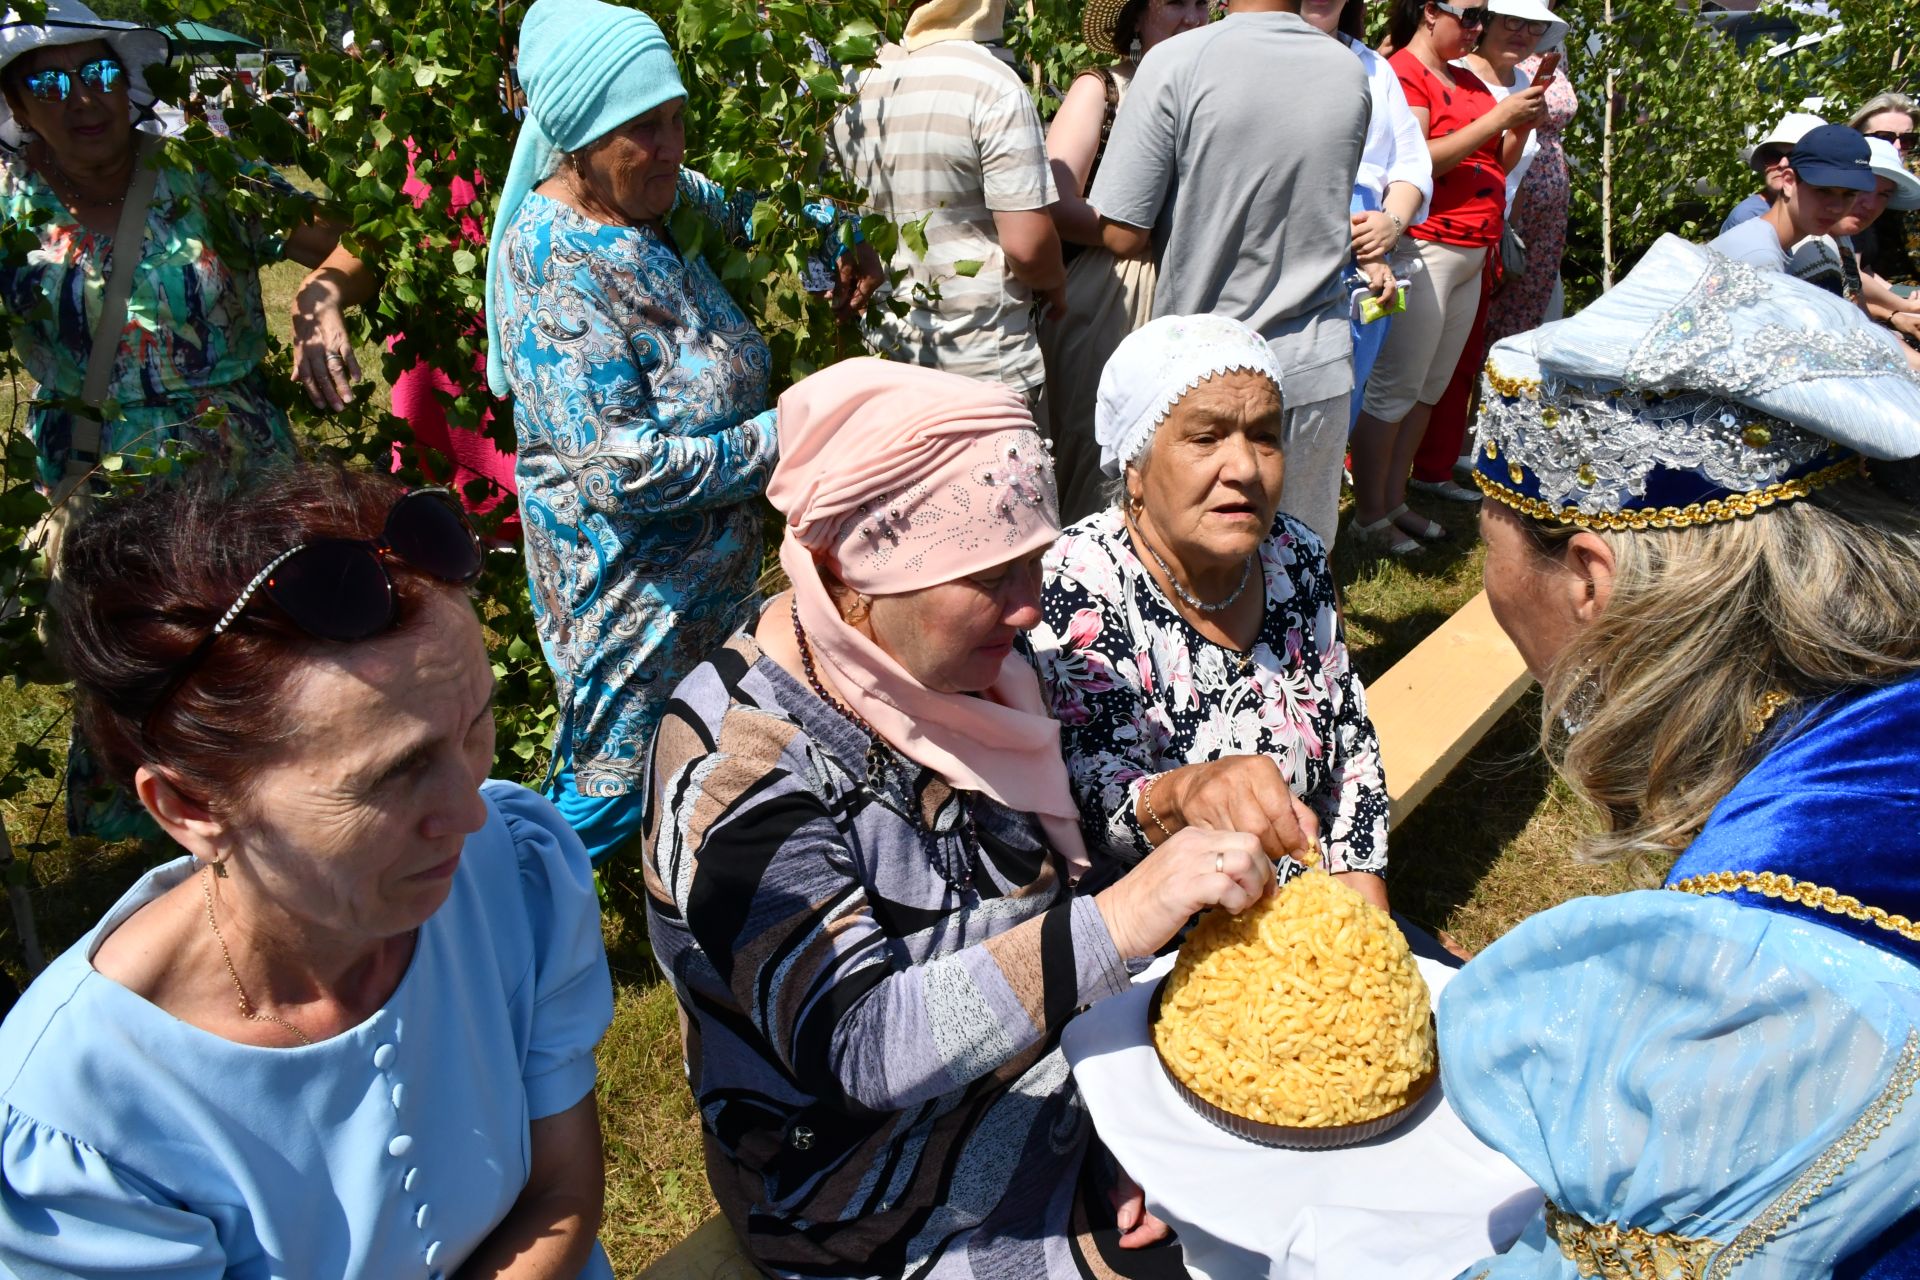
1113 735
596 344
730 212
773 898
1352 803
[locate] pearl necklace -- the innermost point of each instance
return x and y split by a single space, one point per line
1186 597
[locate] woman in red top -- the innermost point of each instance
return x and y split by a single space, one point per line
1472 139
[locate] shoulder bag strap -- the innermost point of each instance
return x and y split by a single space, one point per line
129 245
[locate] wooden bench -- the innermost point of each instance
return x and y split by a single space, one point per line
1433 706
1430 709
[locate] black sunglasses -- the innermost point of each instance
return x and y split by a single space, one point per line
339 588
1469 18
102 75
1528 25
1909 140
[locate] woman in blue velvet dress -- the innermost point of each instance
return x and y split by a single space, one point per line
1686 544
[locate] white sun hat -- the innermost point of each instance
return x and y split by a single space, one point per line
70 22
1885 162
1531 11
1793 126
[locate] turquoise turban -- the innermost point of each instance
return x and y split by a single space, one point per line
588 68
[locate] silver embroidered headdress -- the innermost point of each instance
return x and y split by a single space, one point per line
1698 389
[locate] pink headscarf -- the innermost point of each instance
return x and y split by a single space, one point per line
897 478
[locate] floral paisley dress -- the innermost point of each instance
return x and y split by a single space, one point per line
1539 215
1139 691
188 375
641 410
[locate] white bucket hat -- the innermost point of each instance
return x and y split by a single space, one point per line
1793 126
70 22
1885 162
1532 11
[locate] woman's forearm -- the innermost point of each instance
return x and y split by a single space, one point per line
1403 201
550 1232
1450 150
1077 221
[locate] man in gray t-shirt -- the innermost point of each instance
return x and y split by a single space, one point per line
1235 150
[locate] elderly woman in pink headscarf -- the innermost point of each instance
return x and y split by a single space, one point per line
860 861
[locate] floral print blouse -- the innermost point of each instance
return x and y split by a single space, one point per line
640 396
1139 691
188 373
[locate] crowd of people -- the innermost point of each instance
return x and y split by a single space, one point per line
1058 662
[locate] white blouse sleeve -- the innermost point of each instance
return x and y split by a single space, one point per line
1408 159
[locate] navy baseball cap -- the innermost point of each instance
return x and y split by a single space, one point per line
1833 156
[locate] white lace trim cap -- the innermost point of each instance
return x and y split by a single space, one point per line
1154 368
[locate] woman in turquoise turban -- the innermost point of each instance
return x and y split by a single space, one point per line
1689 546
640 396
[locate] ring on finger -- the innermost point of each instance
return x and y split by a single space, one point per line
336 358
1219 862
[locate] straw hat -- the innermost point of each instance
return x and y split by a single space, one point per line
70 22
1097 22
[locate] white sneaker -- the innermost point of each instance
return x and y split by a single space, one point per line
1446 489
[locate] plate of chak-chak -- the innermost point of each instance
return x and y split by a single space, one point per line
1301 1022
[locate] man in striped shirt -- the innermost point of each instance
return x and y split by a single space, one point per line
943 130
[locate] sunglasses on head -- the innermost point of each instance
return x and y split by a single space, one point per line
1909 140
1469 18
339 588
102 75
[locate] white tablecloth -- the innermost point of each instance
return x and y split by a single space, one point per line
1420 1203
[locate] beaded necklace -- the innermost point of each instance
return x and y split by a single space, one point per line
1187 597
884 761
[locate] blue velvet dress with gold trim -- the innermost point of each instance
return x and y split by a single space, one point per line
1835 803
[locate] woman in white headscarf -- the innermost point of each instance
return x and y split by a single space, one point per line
1192 646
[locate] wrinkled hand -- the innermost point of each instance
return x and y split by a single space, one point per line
1238 793
1195 870
1138 1228
860 273
1380 280
322 352
1526 109
1374 236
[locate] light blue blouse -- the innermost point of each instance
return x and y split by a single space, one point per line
132 1142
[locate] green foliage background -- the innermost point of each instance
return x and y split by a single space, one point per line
1684 102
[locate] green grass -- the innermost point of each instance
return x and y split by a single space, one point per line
1485 851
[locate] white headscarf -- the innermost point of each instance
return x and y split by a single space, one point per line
1155 366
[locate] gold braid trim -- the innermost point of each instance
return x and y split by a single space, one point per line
1609 1251
1803 893
1820 1175
1732 507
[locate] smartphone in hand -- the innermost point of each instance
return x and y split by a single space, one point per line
1549 63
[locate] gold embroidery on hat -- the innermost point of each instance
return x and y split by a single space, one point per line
1731 507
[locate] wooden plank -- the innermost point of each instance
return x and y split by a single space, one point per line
1435 704
711 1253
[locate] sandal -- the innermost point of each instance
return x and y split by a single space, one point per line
1383 535
1409 521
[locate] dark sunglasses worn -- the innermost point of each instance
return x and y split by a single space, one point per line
1910 140
339 588
1531 27
1468 18
102 75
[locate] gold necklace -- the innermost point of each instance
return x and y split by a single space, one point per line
247 1010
